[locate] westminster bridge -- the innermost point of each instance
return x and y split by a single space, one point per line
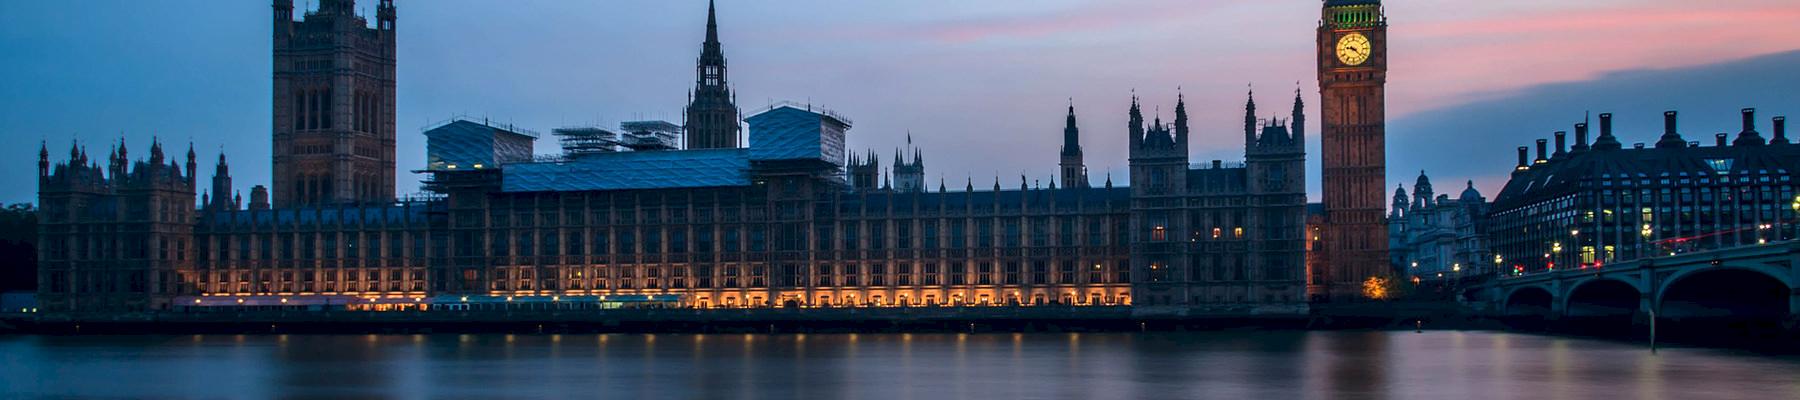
1757 283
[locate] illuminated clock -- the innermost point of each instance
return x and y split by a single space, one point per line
1353 49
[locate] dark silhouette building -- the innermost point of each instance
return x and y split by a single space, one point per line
712 113
1352 84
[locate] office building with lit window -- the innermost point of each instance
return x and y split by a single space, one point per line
1602 202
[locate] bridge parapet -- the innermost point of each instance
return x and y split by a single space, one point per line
1651 278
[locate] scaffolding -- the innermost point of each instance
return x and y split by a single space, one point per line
649 135
580 141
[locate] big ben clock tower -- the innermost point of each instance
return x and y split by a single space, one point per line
1352 84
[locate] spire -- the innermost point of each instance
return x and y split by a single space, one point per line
75 153
1181 118
114 163
193 165
712 24
1136 125
1109 179
970 185
1071 135
712 116
1297 128
156 153
1250 118
43 158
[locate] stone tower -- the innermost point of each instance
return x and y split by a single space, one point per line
334 105
712 115
909 177
1159 162
142 210
1275 176
864 172
1352 61
1074 172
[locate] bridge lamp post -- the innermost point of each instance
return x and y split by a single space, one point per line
1575 239
1796 206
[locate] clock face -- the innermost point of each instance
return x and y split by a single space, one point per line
1353 49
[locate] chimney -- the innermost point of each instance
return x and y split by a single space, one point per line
1606 141
1721 138
1749 137
1523 163
1217 164
1780 131
1581 138
1561 142
1670 138
1541 143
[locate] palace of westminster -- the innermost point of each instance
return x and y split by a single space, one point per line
689 212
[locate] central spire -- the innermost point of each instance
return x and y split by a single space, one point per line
1071 134
712 119
712 24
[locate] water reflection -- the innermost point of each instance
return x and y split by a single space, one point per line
923 366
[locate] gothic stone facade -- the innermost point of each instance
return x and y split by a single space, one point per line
1227 238
334 105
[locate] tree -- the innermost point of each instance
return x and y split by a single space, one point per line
18 247
1378 288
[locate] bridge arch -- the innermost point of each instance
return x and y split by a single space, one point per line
1739 292
1602 297
1529 301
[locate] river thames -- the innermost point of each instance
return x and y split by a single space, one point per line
1227 365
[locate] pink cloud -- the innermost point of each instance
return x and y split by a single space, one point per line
1089 17
1457 61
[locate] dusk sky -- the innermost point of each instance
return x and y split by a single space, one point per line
981 85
